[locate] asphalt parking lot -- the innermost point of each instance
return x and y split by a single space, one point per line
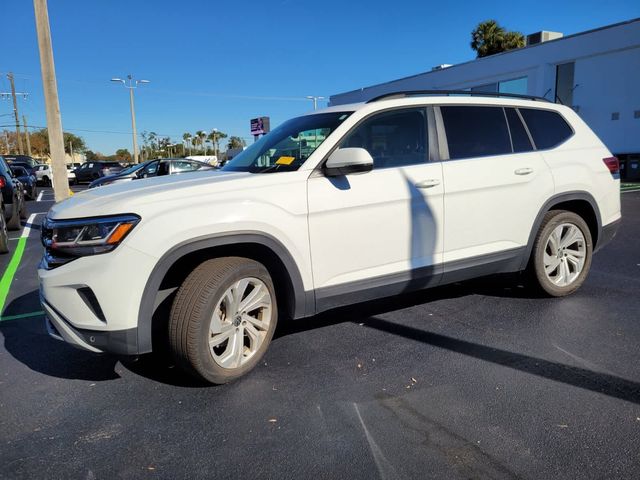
475 380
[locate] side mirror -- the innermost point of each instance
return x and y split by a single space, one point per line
345 161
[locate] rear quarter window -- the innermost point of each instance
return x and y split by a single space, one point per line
547 128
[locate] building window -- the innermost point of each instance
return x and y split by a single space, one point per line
519 86
564 83
489 87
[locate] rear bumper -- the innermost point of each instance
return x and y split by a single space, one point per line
607 233
119 342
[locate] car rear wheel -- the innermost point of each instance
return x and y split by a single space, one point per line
4 235
14 222
223 318
23 209
562 252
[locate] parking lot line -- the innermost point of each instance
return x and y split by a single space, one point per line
22 315
12 268
39 199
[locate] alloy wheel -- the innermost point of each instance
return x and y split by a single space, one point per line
240 322
564 254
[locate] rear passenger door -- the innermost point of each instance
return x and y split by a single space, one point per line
495 186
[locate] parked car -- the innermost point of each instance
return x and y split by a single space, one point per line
90 171
43 174
13 204
27 179
343 205
21 159
71 174
152 168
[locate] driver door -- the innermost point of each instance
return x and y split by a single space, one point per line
379 233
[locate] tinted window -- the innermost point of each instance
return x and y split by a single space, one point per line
519 137
475 131
151 169
547 128
393 138
183 166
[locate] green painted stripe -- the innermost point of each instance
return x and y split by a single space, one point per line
22 315
9 273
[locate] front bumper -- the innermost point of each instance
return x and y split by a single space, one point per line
119 342
93 302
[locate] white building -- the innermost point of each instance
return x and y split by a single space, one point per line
596 72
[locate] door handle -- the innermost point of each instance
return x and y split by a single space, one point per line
523 171
432 182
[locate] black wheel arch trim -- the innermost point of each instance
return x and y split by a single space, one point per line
304 301
549 204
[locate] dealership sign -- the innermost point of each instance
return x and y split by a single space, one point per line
260 126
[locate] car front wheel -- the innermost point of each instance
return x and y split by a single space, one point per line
4 235
562 253
223 318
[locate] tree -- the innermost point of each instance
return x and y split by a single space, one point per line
489 38
123 155
215 136
235 142
201 136
186 137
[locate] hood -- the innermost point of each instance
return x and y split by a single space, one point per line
131 197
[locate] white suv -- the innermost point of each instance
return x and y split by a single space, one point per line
342 205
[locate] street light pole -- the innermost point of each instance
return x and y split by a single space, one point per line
133 84
314 99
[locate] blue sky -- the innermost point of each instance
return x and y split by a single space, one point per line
216 64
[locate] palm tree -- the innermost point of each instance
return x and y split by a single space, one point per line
489 38
186 137
201 137
215 136
235 142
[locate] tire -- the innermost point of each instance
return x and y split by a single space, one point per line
213 288
558 272
46 181
24 213
4 235
14 222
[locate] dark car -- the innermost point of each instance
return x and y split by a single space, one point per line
153 168
12 204
90 171
21 160
27 179
30 170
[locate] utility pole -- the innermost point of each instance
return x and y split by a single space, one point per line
50 86
71 150
26 134
133 84
15 113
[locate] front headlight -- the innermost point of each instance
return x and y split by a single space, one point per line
65 240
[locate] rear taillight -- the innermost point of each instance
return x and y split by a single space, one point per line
3 182
612 164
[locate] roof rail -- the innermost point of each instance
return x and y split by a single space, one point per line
411 93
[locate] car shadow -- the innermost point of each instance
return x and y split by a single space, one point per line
27 340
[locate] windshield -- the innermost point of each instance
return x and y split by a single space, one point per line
287 147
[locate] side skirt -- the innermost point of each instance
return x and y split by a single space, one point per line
350 293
